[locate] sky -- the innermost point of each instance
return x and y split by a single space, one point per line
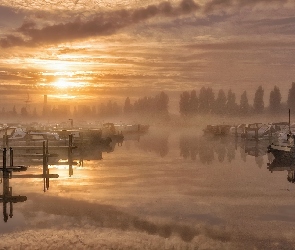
98 50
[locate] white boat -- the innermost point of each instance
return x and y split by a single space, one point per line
131 128
237 130
285 133
21 134
257 131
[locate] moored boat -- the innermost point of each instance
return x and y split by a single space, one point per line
284 151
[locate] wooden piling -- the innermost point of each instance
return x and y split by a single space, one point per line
289 121
70 154
4 164
11 156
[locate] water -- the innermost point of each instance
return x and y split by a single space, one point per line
163 190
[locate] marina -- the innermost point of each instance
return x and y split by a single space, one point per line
147 125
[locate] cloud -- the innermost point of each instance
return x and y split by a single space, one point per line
243 45
101 24
226 4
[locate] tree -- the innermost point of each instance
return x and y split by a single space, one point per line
127 106
193 103
161 103
206 100
258 103
210 99
24 112
231 104
184 103
275 100
244 104
14 111
220 103
291 98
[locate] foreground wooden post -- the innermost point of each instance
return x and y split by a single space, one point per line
11 156
70 156
45 166
4 163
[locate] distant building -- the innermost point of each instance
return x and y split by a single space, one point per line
46 109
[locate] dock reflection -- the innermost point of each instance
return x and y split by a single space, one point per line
7 198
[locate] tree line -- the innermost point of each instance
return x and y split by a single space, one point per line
190 103
225 103
147 106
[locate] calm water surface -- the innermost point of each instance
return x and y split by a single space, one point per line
163 190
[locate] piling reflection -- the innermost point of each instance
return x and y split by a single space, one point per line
7 198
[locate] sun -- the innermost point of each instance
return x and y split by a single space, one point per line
62 84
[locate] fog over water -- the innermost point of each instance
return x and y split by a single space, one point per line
168 189
175 65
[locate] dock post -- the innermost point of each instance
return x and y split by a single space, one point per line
5 140
47 158
11 156
70 157
81 151
45 167
4 163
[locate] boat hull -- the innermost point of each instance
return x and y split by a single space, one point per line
282 151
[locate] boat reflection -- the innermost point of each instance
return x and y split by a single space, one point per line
282 164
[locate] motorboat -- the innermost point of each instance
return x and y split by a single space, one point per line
284 134
237 130
217 129
131 128
283 149
22 134
257 131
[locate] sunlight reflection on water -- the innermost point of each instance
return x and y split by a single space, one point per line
166 185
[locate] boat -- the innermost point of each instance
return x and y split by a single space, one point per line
257 131
217 129
131 128
285 149
284 134
237 130
22 134
281 163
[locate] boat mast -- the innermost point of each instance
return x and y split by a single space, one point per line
289 123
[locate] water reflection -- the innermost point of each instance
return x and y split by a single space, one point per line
223 149
157 143
8 199
226 149
282 164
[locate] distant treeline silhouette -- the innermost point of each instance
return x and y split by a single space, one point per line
190 103
156 106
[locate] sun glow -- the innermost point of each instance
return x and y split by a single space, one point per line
64 84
